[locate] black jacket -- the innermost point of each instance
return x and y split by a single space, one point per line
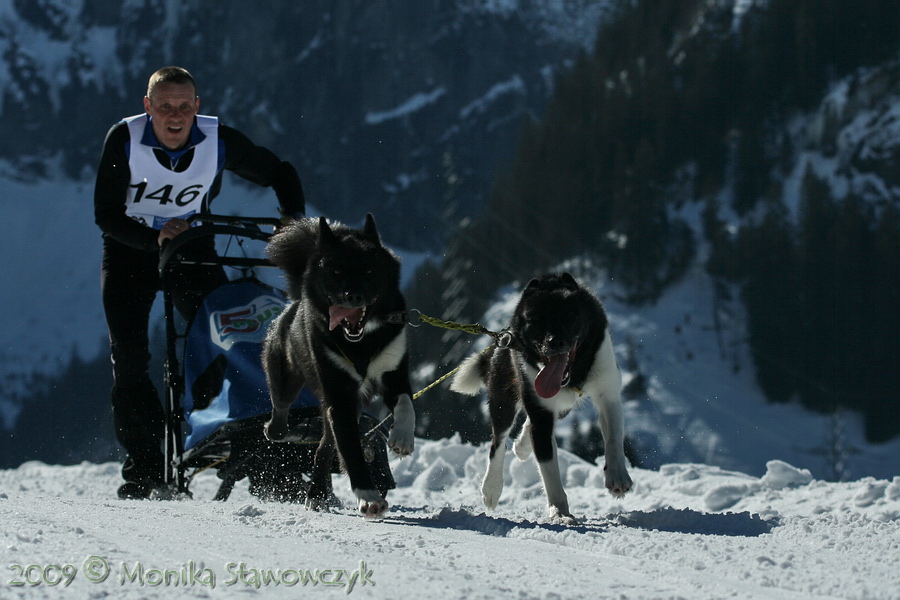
242 157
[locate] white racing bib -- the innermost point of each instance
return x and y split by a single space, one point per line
157 194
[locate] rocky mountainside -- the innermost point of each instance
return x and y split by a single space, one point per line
755 142
415 114
855 135
405 109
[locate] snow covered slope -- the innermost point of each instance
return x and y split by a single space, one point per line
337 87
685 531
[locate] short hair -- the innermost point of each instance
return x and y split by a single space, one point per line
176 75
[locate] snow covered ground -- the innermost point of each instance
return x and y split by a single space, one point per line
685 531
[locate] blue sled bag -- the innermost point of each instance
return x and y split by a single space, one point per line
224 378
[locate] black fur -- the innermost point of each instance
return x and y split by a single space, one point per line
335 339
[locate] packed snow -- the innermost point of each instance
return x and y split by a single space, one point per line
684 531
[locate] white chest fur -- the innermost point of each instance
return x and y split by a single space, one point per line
388 359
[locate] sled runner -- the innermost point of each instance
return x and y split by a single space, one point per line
217 400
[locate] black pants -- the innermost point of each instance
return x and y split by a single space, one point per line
129 285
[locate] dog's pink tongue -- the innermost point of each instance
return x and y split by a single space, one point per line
336 314
549 381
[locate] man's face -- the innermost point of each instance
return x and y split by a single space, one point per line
172 108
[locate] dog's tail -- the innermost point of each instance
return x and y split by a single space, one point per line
471 374
291 249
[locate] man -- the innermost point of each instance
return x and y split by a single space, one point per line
156 170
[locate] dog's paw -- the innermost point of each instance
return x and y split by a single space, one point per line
401 443
276 428
320 494
318 504
402 440
371 504
559 516
491 488
618 482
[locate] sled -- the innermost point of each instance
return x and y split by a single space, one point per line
216 399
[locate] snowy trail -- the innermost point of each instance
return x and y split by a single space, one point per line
411 552
686 531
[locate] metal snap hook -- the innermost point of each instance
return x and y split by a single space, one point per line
413 317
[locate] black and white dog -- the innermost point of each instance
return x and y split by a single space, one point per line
336 338
559 351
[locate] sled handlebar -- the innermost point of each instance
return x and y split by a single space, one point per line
213 225
247 222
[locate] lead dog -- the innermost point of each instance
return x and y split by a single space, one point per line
336 338
560 350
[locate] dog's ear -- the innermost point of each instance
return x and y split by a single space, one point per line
567 280
370 230
533 286
326 235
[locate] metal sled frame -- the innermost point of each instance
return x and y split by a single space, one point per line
216 449
177 460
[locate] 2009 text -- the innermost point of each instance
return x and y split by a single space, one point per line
97 569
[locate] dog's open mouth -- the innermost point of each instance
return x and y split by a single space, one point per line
351 319
554 373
